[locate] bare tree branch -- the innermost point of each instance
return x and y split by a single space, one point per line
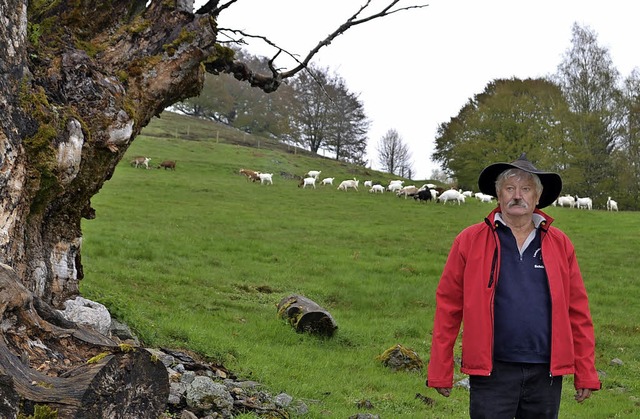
242 72
211 7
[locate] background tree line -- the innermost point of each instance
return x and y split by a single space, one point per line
314 110
583 121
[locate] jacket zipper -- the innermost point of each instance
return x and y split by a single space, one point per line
492 275
494 262
543 234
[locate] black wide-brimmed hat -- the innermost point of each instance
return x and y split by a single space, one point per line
551 182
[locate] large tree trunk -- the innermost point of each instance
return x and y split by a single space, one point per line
78 81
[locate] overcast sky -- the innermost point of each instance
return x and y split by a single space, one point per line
415 69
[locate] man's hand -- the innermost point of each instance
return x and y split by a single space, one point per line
444 391
582 394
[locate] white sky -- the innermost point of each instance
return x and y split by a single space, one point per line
416 69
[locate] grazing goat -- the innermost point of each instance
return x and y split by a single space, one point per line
266 177
394 187
311 181
167 164
423 195
451 195
351 183
410 190
140 161
482 197
327 181
376 189
611 205
250 174
567 200
584 203
314 173
368 183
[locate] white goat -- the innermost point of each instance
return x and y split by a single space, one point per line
310 181
140 161
351 183
376 189
368 183
611 205
451 195
584 203
394 187
314 173
567 200
266 178
327 181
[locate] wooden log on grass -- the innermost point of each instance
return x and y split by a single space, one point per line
305 315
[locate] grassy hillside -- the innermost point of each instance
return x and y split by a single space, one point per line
199 258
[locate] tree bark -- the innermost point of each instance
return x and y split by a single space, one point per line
45 359
305 315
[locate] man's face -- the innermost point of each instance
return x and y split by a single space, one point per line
517 195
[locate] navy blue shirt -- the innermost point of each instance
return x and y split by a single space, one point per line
522 325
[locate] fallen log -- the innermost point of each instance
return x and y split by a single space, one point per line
305 315
70 368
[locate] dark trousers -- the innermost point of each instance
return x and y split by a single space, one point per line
515 390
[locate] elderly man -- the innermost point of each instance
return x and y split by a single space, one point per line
514 281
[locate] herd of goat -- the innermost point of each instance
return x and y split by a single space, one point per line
427 192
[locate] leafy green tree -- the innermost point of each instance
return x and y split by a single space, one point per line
626 156
589 81
508 118
394 155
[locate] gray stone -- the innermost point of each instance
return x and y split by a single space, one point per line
283 400
207 396
464 383
188 377
88 313
123 332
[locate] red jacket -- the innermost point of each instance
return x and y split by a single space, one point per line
466 292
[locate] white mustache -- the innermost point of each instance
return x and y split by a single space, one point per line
517 203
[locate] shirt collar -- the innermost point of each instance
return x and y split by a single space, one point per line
537 219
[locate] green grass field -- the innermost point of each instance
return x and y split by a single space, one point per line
199 258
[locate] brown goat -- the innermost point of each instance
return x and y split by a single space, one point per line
168 164
250 174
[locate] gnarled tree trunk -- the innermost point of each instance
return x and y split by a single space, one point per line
78 81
